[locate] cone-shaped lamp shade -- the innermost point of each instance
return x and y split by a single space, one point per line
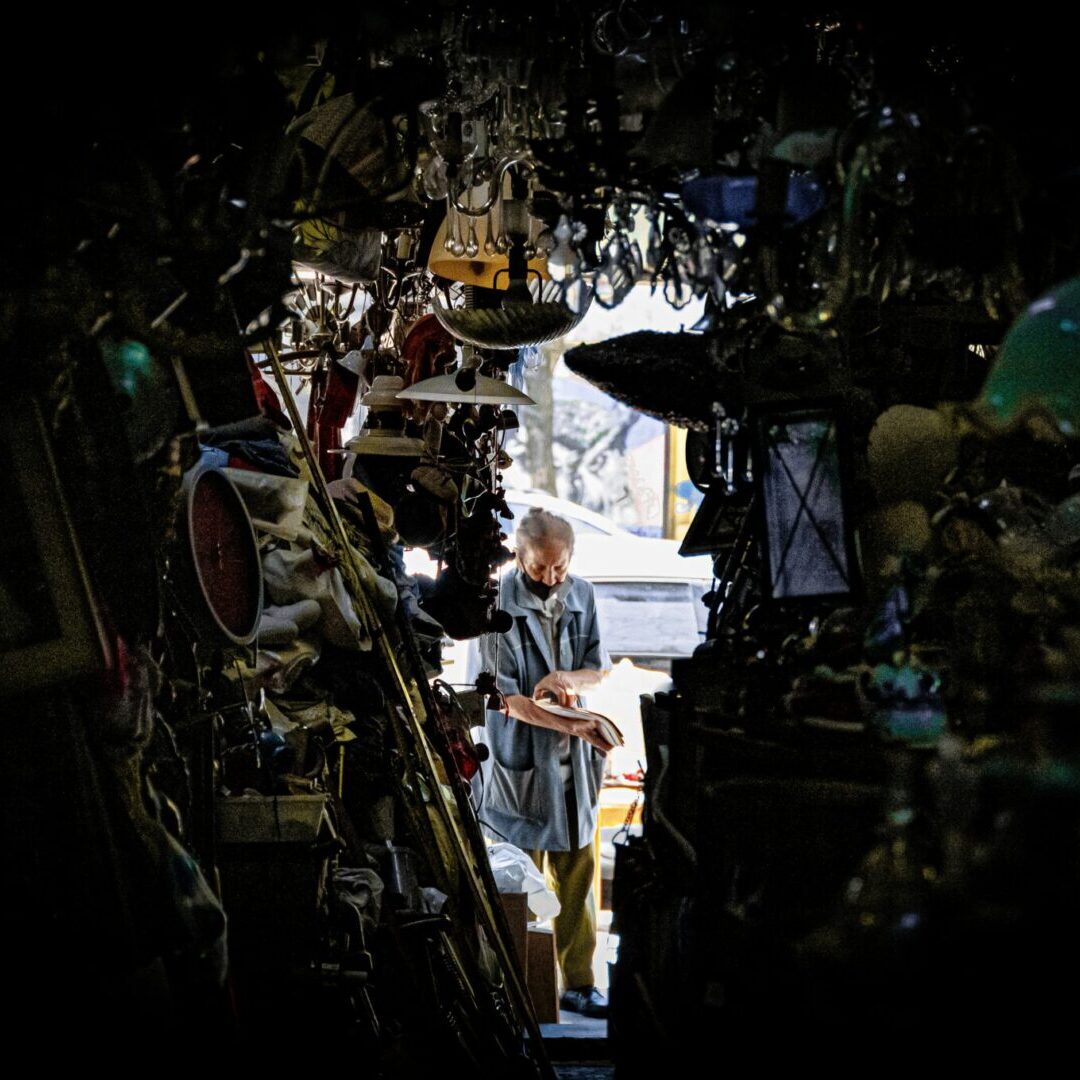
487 391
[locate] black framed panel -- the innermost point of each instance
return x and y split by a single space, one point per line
801 475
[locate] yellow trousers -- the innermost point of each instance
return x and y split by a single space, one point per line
570 876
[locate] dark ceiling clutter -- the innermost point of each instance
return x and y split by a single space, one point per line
237 794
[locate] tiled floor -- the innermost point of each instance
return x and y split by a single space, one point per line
572 1025
576 1027
582 1039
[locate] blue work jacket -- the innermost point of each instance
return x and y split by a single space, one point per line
524 798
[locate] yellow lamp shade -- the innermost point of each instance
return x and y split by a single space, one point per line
482 268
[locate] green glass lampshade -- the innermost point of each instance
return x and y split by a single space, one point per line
1038 367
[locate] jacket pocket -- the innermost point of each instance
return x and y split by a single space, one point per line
516 792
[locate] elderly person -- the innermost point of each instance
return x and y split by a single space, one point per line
542 778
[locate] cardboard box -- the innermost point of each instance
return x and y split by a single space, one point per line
535 948
543 974
516 911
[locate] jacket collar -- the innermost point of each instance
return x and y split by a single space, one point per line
517 600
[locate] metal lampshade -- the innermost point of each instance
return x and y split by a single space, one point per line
514 323
487 391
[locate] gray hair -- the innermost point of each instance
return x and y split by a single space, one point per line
539 525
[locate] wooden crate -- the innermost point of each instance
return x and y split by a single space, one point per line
543 974
535 948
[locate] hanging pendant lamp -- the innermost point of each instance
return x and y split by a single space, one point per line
486 268
383 433
530 308
486 391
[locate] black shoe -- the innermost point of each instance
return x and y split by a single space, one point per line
586 1000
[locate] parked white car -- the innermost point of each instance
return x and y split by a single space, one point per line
648 596
585 522
648 600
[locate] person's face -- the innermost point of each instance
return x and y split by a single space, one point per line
546 561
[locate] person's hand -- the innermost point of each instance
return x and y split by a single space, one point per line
560 686
524 708
592 733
